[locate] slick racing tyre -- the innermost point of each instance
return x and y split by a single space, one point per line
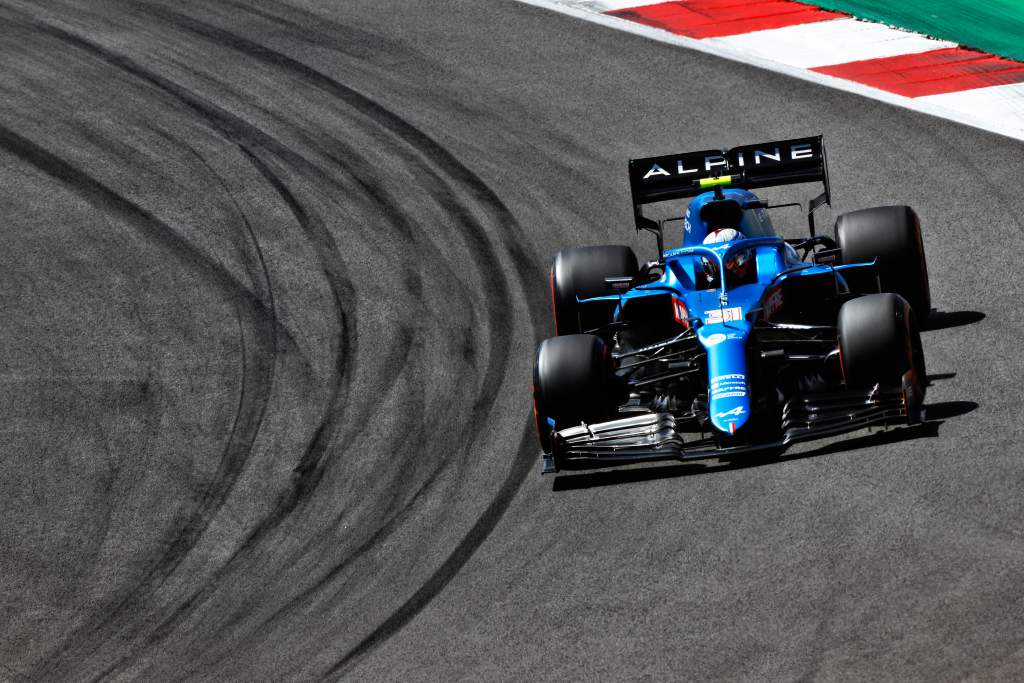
892 234
879 342
573 382
580 272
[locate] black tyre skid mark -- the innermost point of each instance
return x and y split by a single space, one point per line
306 472
257 373
248 137
526 456
107 199
308 475
525 272
392 521
256 386
309 470
475 232
261 261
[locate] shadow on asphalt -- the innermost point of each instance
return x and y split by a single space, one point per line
936 413
948 409
941 320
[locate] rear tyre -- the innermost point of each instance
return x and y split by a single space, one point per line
573 382
879 342
892 234
580 272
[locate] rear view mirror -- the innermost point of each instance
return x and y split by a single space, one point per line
618 284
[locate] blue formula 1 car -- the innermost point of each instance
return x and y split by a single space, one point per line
740 341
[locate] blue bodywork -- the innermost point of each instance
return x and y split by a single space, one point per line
723 316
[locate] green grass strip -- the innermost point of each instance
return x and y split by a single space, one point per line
995 26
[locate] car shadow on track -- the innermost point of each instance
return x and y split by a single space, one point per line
941 320
936 414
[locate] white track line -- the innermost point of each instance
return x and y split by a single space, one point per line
1010 126
610 5
996 104
822 43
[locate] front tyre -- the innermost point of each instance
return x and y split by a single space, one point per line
879 343
573 382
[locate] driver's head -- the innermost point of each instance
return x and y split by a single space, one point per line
738 265
719 234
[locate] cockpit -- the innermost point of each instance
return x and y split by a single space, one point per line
707 213
713 219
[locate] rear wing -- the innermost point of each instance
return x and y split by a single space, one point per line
676 176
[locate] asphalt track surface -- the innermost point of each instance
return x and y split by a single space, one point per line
273 274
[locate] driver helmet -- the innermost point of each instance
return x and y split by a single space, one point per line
738 264
718 235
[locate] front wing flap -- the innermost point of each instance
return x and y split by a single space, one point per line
651 437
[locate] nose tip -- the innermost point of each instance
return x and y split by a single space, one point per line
730 423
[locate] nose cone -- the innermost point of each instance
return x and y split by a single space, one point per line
728 392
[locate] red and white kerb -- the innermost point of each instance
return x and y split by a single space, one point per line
901 67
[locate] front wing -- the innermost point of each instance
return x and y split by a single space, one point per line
649 437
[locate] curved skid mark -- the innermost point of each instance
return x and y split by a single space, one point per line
402 348
498 325
245 135
309 469
107 199
264 271
256 383
354 42
524 460
497 289
257 376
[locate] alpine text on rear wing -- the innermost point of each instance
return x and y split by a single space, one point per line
688 174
